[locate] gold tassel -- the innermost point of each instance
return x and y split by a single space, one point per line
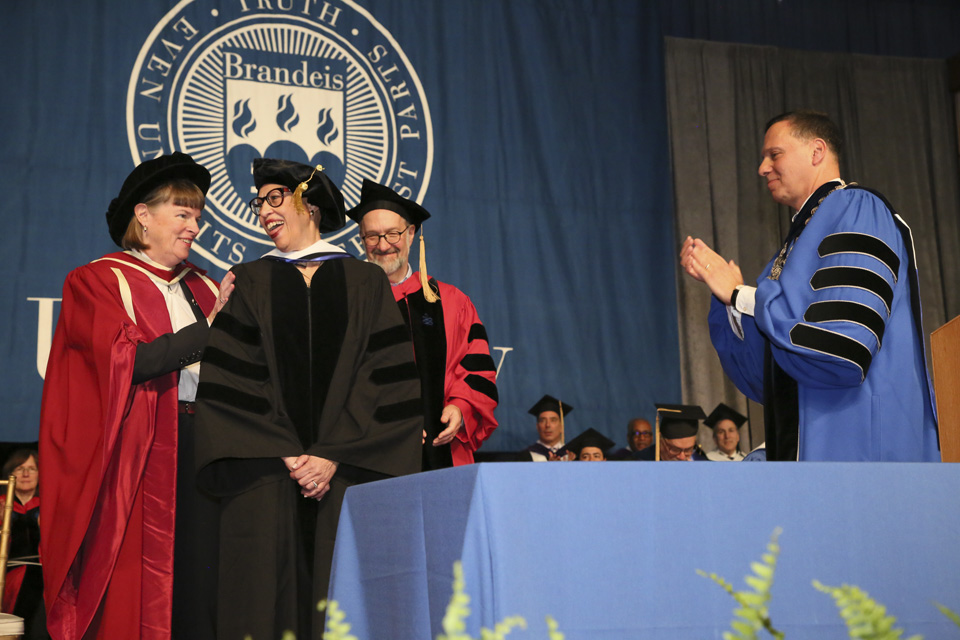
298 192
563 437
656 436
428 293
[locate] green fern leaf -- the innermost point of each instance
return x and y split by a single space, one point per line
865 618
763 570
759 585
744 630
553 629
949 613
752 613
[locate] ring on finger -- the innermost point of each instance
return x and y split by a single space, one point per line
315 485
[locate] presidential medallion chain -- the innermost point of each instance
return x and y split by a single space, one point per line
781 259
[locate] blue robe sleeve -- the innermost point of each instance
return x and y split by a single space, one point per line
741 358
825 317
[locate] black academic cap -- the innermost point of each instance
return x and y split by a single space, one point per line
376 196
146 177
723 412
549 403
319 190
590 438
679 420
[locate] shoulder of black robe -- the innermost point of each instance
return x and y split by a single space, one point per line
646 454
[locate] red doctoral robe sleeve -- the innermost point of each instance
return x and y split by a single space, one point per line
470 379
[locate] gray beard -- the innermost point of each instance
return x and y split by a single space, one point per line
390 263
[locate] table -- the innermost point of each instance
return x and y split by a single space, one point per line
610 550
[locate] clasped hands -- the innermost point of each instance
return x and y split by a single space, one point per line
313 474
704 264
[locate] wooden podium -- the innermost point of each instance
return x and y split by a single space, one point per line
945 355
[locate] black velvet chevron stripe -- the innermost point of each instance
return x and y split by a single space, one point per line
395 373
834 344
236 329
843 310
387 338
861 243
853 277
399 411
484 386
477 332
478 362
233 364
229 395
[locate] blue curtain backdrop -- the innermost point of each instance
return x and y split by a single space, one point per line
533 130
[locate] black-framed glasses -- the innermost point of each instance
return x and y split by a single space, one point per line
677 451
392 237
274 198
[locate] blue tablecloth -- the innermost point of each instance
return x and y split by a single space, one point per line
610 550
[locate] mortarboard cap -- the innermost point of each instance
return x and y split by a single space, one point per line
549 403
376 196
146 177
590 438
679 420
306 182
723 412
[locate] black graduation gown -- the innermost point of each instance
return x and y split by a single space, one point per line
325 370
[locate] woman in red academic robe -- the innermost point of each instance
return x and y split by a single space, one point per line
116 422
23 589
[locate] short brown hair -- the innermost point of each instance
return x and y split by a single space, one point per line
183 193
17 458
808 124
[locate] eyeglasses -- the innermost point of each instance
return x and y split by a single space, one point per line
642 433
676 451
274 198
25 470
392 237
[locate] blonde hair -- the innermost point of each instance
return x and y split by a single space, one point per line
182 192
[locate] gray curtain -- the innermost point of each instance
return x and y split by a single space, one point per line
898 121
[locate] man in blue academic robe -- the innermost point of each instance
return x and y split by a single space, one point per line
830 339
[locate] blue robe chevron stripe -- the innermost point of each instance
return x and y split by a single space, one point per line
834 350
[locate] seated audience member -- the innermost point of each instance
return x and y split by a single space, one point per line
23 591
639 437
590 446
677 426
726 423
550 414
